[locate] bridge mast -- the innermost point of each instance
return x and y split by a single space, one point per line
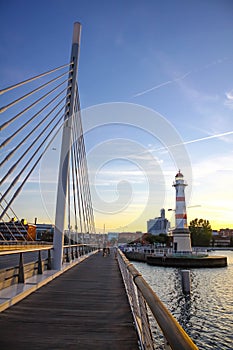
58 239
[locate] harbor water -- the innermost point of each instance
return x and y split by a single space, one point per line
207 314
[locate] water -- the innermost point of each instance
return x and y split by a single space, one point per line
207 315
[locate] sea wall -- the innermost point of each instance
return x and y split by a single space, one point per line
184 262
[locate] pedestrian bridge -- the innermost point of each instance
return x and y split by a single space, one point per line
93 302
66 297
85 308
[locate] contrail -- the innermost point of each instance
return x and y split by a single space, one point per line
207 66
208 137
188 142
162 84
197 140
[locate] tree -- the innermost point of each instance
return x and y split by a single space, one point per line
201 232
162 238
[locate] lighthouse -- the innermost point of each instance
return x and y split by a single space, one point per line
181 234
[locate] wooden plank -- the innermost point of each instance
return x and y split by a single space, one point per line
84 308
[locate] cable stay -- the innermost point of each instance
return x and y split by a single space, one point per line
81 188
3 126
33 78
29 173
3 109
16 228
30 159
11 153
42 112
31 145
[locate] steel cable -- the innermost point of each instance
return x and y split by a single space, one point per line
31 145
3 109
15 216
29 161
4 125
10 154
29 173
33 78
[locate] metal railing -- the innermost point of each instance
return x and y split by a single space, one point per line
141 296
18 274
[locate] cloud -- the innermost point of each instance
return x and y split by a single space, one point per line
229 95
229 99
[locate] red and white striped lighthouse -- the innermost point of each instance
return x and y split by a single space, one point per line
181 216
181 234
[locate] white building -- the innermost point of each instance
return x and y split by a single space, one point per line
158 225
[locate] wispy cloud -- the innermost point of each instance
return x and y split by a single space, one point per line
229 99
162 84
229 95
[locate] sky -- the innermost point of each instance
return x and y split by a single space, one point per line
156 89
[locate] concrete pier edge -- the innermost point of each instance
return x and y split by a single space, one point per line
172 261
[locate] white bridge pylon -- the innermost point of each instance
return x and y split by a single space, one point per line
70 120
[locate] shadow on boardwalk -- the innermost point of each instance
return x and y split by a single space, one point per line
85 308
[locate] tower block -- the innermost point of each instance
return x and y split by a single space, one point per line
181 234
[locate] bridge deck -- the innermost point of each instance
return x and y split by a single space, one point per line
84 308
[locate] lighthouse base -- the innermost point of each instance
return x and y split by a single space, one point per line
181 241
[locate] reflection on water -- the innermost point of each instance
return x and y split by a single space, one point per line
207 314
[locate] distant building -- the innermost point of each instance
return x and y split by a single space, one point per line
222 238
215 233
158 225
17 230
113 236
127 237
44 232
220 241
226 232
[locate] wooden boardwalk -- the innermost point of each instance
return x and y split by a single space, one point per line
85 308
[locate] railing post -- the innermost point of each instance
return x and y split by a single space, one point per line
76 252
58 240
21 269
67 254
40 268
49 264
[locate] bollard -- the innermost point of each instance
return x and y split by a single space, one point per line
186 284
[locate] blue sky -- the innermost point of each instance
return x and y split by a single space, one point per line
171 57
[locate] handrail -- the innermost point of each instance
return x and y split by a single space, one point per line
17 251
69 254
175 335
47 247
